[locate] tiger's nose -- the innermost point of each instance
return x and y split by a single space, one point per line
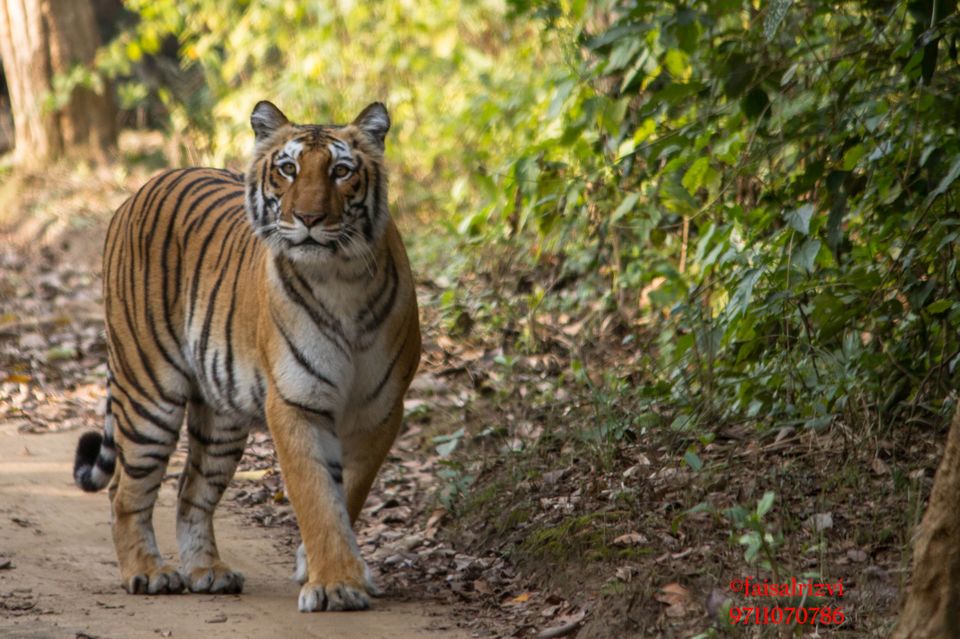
308 220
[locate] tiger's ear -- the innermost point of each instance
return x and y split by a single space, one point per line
375 122
266 119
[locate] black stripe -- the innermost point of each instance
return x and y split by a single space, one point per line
330 328
142 210
228 324
209 440
234 453
134 435
171 299
198 265
148 308
260 392
163 458
387 373
336 471
322 412
207 474
137 511
298 354
149 417
136 472
193 504
378 316
129 375
203 346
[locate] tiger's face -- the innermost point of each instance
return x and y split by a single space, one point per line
317 192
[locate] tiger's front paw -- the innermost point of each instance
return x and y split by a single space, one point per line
315 597
300 574
163 580
215 579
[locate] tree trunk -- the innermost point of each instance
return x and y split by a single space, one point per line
932 608
38 40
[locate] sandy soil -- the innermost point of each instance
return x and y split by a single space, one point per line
64 580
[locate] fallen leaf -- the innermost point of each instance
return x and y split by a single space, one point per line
857 555
61 353
630 539
627 573
550 611
672 594
568 625
676 597
32 341
523 597
819 522
250 475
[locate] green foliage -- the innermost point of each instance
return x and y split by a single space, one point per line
455 76
759 542
778 180
455 482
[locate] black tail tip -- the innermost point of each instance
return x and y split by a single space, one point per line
87 449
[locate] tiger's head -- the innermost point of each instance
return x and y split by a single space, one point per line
318 191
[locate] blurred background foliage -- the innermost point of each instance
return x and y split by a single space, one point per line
764 193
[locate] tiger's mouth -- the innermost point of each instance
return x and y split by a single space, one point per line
310 242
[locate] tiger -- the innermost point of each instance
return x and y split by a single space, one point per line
281 296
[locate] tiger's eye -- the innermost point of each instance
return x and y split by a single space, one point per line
289 169
341 171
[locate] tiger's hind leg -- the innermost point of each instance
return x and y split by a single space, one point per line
216 445
146 434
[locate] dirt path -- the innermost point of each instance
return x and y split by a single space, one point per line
64 580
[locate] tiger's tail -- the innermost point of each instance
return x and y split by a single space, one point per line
96 457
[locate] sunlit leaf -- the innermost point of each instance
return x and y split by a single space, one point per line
799 219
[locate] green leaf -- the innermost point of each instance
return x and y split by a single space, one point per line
625 206
765 503
677 63
693 178
702 507
700 175
799 219
776 11
852 155
447 448
945 182
806 255
61 353
693 460
737 515
681 422
818 423
939 306
744 293
929 63
448 443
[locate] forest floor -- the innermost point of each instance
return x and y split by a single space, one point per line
59 578
526 496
